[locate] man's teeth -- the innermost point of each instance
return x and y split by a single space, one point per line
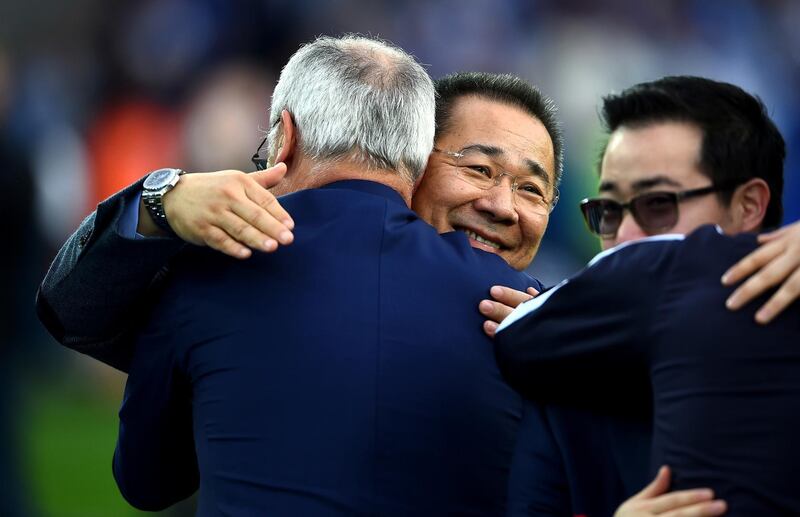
473 235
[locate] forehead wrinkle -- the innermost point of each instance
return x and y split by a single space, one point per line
534 168
489 150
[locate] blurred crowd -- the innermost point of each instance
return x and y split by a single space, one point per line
94 94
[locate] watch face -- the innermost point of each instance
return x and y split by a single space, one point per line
159 179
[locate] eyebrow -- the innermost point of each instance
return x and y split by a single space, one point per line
534 167
640 185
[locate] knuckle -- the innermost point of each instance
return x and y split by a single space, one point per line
231 188
216 208
264 200
269 200
267 224
240 230
261 222
201 228
216 240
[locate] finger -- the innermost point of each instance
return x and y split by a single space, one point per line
785 296
494 311
751 263
680 499
221 241
704 509
269 177
270 204
490 328
508 296
770 236
246 234
658 486
769 276
533 292
261 220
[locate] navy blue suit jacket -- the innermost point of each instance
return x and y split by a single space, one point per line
346 374
646 326
601 461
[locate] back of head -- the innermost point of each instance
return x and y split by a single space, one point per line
740 141
504 88
359 99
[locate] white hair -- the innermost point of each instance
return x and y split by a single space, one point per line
357 98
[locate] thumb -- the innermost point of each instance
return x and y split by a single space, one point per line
270 177
656 487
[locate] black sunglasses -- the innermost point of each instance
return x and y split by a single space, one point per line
654 212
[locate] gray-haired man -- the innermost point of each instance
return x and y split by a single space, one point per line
343 375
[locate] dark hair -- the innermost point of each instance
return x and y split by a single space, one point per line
504 88
740 141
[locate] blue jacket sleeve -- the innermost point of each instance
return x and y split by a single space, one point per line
537 484
99 283
581 341
155 463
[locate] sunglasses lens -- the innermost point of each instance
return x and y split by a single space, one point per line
656 212
602 216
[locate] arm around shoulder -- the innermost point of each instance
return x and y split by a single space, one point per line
99 279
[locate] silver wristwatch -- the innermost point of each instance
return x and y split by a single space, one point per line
155 186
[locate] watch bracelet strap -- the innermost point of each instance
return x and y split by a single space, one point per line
155 208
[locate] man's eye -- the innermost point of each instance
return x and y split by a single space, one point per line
531 189
657 202
482 170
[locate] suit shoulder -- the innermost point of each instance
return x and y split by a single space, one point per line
499 272
708 251
652 254
711 238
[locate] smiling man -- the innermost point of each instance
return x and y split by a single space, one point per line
493 125
493 175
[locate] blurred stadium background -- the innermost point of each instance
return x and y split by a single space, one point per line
95 93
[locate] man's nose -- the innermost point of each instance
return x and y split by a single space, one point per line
629 230
498 201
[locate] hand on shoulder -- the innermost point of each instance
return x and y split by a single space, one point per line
230 211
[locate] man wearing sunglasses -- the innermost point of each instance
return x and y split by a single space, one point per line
643 329
493 176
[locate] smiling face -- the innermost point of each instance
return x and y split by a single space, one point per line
493 219
661 156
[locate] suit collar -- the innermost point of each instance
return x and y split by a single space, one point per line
369 187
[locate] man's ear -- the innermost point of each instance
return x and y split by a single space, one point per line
288 138
749 204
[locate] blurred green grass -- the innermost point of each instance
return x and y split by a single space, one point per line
70 429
